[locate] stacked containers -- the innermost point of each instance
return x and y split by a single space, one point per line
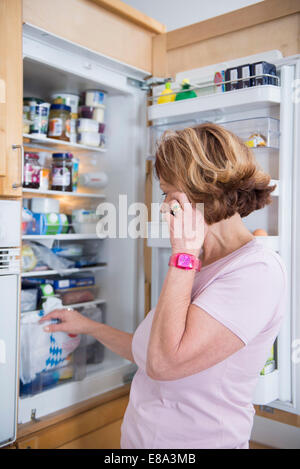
90 125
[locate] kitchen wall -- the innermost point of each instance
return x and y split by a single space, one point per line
177 14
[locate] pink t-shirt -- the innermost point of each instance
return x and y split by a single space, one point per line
245 291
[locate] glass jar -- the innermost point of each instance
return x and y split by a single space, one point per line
59 122
61 172
31 171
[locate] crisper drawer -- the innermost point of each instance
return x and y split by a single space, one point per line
48 360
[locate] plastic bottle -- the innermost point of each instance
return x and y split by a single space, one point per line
185 85
165 96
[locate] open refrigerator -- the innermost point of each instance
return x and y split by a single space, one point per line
53 65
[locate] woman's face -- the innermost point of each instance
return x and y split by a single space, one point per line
167 190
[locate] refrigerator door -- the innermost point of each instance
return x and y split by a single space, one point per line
8 358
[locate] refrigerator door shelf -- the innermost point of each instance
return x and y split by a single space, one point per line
205 106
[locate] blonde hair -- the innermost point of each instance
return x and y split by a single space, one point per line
213 166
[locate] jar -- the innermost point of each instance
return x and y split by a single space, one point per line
61 172
59 122
31 171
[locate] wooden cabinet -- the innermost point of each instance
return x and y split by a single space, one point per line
11 97
95 424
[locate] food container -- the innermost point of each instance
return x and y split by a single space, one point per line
71 128
95 98
36 111
31 171
45 179
62 167
70 99
85 221
95 180
91 139
87 125
44 205
26 219
256 132
101 129
86 112
59 122
75 173
26 125
48 224
98 114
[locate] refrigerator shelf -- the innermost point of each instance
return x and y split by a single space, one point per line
48 144
64 194
247 98
99 301
267 388
46 273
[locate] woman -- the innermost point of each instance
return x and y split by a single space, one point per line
200 351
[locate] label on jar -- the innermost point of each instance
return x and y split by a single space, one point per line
31 174
56 127
61 177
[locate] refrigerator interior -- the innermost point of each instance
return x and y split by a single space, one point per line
52 65
247 112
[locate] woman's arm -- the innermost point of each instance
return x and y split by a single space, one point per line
185 339
73 322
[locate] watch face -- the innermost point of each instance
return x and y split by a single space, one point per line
185 261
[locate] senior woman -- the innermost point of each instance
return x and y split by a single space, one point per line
200 350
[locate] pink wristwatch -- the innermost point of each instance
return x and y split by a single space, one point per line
185 261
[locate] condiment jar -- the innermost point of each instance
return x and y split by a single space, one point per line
61 172
59 122
31 171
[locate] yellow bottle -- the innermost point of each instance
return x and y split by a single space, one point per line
166 99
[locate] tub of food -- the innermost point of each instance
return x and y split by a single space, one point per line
90 139
95 98
87 125
70 99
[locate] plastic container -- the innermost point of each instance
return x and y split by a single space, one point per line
90 139
36 111
75 173
45 179
61 172
95 98
99 114
70 99
85 221
87 125
44 205
93 180
101 128
48 360
86 112
31 171
187 94
257 132
169 97
59 122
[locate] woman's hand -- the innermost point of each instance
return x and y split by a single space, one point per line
71 322
186 225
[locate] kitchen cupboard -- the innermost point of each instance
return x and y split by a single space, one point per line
143 51
94 424
11 78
